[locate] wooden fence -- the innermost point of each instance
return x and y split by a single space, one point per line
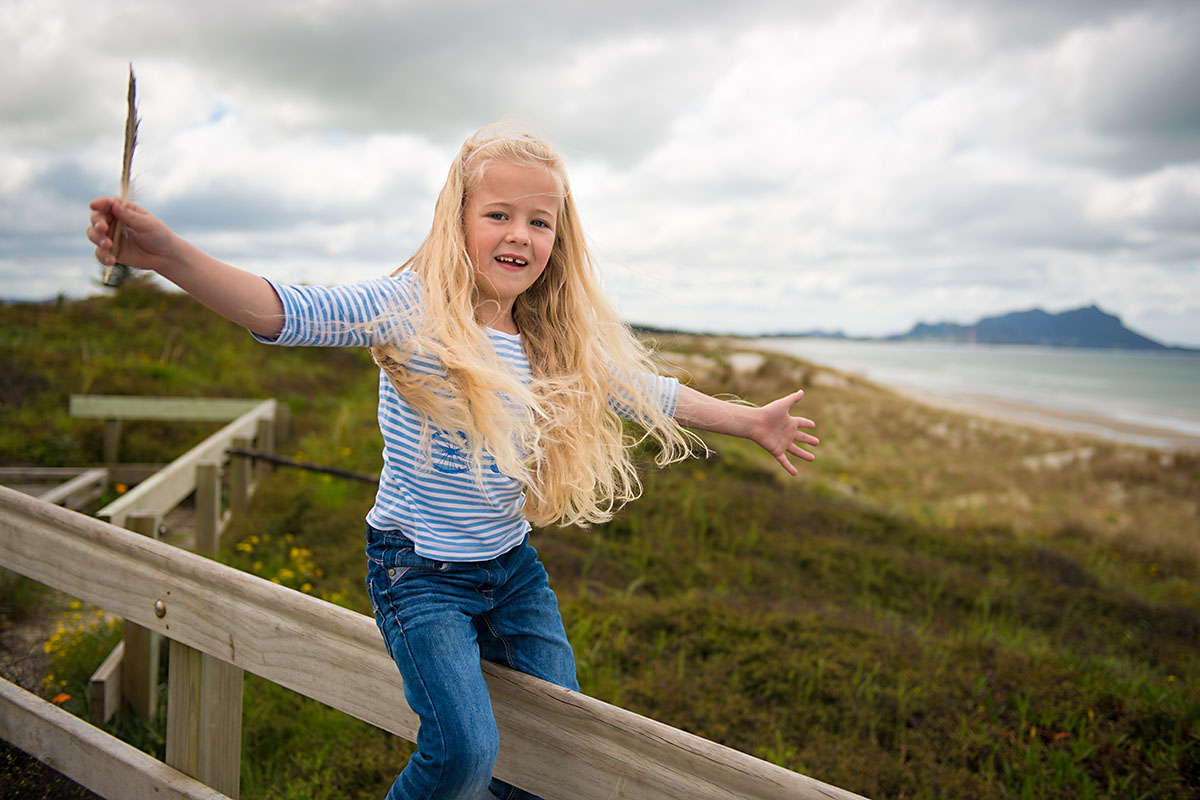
555 742
73 487
195 470
130 673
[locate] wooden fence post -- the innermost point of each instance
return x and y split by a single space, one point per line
208 508
139 670
204 718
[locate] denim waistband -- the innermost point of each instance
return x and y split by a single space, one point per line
396 538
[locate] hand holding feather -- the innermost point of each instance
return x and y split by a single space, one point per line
146 241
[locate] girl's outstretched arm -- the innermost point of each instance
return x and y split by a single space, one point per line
771 426
147 243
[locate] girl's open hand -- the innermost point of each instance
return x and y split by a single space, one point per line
781 434
146 241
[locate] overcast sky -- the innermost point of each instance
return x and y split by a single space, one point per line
757 166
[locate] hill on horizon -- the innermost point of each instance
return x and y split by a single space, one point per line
1082 327
1086 327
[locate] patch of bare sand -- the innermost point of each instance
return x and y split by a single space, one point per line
1058 420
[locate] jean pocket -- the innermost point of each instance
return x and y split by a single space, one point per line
404 561
394 574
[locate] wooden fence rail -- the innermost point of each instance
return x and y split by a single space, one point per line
88 755
74 487
555 742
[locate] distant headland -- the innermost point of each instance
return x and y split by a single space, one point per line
1082 327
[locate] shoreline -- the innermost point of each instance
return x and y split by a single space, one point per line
1053 419
974 398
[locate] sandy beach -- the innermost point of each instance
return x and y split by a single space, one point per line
1056 419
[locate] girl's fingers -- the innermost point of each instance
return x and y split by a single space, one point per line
796 450
793 398
96 234
97 230
103 216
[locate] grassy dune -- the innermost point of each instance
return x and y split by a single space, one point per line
941 606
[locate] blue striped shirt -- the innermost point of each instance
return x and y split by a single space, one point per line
449 512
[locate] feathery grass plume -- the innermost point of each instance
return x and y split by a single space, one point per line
114 277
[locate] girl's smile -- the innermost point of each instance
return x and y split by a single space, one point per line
509 221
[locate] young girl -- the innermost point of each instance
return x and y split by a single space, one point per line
504 375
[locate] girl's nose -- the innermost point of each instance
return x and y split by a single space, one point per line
517 234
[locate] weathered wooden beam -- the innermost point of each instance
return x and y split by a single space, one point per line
78 491
204 718
89 756
126 473
39 474
104 687
557 743
179 409
208 508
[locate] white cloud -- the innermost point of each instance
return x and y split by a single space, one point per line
764 166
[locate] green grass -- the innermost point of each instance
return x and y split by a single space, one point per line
880 655
922 614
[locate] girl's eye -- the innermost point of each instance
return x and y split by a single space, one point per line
496 215
540 223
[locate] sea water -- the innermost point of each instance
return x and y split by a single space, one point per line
1155 388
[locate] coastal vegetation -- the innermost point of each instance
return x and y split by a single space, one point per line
940 606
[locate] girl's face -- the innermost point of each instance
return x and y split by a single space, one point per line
509 221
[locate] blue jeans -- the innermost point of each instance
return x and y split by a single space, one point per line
438 618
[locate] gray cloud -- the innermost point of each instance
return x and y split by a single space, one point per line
747 165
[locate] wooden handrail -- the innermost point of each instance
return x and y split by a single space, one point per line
174 409
80 490
554 742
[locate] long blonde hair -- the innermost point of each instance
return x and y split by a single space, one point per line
557 434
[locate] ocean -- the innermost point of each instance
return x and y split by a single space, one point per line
1144 397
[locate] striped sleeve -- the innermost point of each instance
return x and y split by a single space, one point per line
662 390
356 315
